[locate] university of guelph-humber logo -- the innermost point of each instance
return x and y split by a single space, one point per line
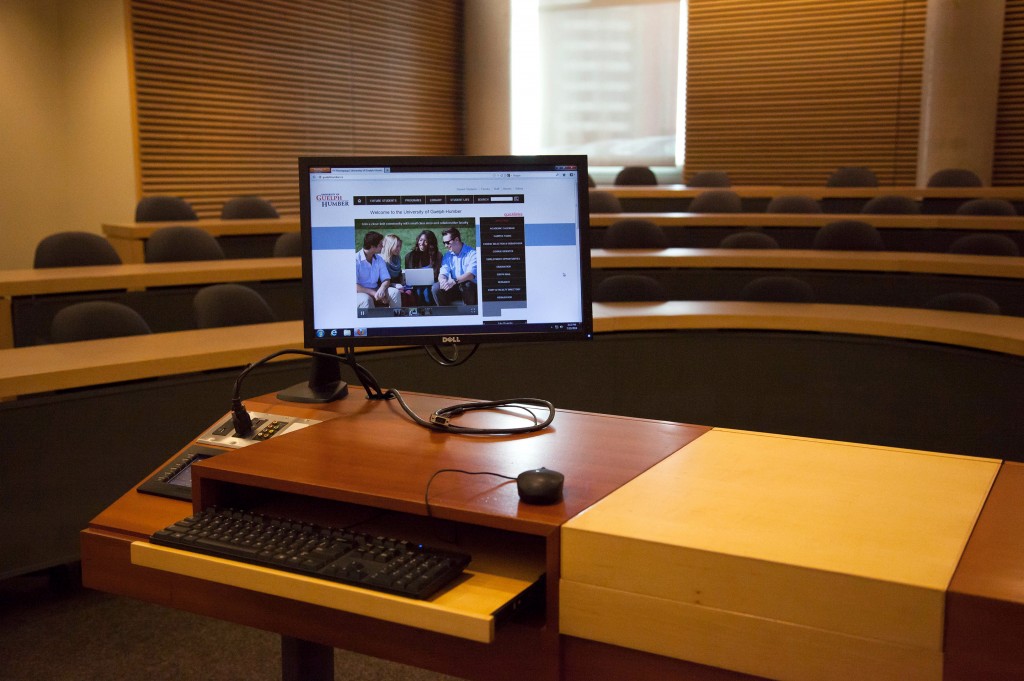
329 200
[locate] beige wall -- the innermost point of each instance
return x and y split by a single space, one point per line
65 121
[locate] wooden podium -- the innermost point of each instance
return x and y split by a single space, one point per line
678 552
368 463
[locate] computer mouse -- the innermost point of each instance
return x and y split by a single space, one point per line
540 486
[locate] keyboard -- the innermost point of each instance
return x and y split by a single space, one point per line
333 553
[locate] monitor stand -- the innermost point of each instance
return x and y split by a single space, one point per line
324 384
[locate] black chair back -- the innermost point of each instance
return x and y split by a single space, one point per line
94 319
72 249
748 239
848 235
635 233
985 244
164 209
710 178
959 301
630 288
998 207
636 175
604 202
182 243
242 207
716 201
230 305
288 245
793 203
891 204
852 176
778 289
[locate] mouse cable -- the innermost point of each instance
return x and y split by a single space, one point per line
441 419
426 492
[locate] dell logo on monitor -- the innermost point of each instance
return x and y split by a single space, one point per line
450 339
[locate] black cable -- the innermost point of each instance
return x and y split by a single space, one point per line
440 420
435 353
426 492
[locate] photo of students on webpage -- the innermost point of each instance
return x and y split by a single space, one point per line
425 254
456 280
373 281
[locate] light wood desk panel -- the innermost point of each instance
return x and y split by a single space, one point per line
129 238
778 556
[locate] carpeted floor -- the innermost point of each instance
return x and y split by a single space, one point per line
55 630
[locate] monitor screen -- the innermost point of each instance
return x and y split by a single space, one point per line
444 250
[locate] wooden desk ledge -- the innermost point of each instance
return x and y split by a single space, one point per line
30 282
812 221
43 368
983 332
860 261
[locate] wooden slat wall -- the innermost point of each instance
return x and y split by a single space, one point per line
786 91
1008 157
228 94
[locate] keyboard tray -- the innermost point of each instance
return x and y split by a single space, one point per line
467 610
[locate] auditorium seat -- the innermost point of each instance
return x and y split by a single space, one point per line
985 244
954 177
891 204
242 207
778 289
964 302
717 201
230 305
710 178
852 176
164 209
998 207
630 288
848 235
95 319
793 203
288 245
604 202
635 233
748 239
636 175
73 249
182 243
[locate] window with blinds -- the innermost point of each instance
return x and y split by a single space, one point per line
1008 153
786 91
229 94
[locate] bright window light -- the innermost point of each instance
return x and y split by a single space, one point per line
598 77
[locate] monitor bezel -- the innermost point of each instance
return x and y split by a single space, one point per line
461 335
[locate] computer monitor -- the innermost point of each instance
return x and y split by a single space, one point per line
489 248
